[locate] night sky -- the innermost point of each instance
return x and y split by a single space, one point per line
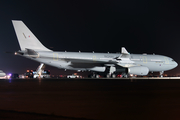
142 26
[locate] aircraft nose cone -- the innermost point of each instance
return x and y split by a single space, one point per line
176 64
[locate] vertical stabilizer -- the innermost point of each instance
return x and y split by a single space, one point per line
26 38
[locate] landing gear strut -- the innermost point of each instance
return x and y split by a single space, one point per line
161 73
39 71
112 69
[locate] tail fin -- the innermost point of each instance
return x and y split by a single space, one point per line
26 39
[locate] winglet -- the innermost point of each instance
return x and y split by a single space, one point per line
124 51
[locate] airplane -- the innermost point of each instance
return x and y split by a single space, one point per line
110 64
2 75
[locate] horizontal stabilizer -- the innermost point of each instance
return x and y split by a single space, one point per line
31 52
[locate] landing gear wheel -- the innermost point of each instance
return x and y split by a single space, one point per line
113 76
96 76
124 75
92 76
108 76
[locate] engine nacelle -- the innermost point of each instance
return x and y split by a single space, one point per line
98 69
138 70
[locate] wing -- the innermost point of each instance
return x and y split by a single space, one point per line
124 59
86 63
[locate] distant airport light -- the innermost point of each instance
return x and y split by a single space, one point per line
9 76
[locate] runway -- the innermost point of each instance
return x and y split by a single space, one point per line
89 99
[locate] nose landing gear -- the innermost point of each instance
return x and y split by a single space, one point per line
161 73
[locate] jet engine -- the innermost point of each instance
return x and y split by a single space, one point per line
138 70
98 69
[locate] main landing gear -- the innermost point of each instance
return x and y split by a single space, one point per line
110 75
94 75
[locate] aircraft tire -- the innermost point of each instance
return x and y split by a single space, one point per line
108 76
113 75
96 76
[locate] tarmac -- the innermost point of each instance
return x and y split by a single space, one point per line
90 99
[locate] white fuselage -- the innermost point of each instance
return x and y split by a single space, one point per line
87 61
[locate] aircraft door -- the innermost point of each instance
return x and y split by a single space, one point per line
144 59
94 58
166 60
55 56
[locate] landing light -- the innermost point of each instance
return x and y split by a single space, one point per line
131 75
